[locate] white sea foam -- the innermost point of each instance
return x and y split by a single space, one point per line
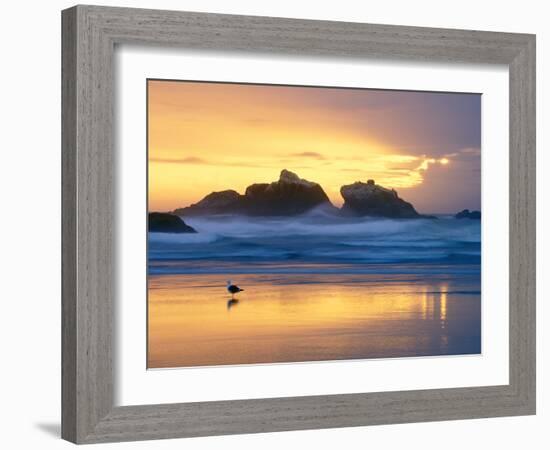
320 239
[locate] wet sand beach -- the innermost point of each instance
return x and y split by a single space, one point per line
292 317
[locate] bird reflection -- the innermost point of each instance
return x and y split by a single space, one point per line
231 303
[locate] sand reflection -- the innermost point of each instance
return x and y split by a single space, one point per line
287 318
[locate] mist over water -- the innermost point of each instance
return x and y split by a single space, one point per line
315 240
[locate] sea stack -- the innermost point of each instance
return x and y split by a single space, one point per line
168 223
370 199
467 214
288 196
222 202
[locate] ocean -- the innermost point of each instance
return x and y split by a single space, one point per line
316 287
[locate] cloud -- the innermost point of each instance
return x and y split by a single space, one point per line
194 160
471 151
313 155
447 187
405 170
188 160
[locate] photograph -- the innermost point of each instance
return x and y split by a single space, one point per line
297 223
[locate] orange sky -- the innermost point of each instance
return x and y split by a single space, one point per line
206 137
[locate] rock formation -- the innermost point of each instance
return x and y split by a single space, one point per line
290 195
467 214
223 202
370 199
168 223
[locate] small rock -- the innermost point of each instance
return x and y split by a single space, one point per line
168 223
467 214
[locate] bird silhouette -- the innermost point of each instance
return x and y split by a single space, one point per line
233 289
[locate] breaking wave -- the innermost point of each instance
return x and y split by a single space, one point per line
317 238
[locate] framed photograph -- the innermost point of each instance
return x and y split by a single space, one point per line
278 224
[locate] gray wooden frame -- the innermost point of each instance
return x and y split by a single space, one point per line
89 36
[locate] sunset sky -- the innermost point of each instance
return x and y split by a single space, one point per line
206 137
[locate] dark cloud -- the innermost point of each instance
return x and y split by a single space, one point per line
448 188
313 155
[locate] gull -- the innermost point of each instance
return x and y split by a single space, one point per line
232 289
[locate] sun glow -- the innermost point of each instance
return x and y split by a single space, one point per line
206 137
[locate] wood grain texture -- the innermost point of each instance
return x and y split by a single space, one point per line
87 241
523 224
89 37
68 226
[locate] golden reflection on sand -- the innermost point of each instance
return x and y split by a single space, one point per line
192 321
